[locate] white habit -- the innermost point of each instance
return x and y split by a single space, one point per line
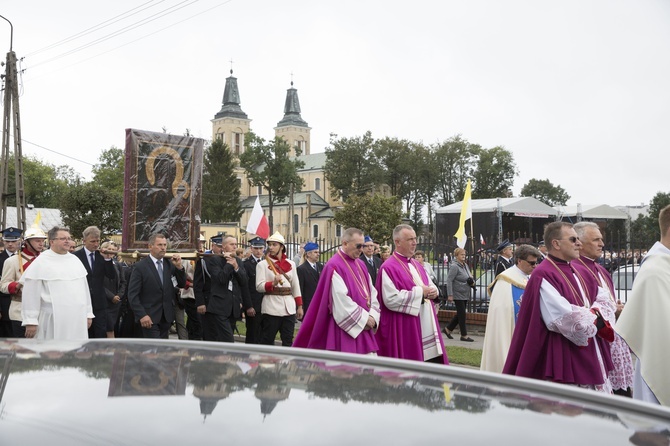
500 319
643 324
56 297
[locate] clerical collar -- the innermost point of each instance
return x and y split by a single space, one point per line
402 257
556 259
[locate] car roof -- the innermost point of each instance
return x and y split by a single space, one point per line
127 391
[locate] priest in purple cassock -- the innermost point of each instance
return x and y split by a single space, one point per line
562 333
409 327
344 311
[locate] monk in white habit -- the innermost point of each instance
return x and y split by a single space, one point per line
506 293
643 323
56 297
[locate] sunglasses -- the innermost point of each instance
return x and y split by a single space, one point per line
530 263
359 245
572 239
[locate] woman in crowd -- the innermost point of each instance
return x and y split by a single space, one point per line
459 289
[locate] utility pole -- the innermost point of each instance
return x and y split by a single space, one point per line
11 120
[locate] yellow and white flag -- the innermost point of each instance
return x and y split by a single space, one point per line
466 214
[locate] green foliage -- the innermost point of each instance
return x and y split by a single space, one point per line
351 166
546 192
645 229
110 170
373 214
455 161
43 183
270 165
220 187
91 204
494 174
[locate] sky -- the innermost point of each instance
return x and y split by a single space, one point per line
577 90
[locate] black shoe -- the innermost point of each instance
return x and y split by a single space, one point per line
447 332
466 339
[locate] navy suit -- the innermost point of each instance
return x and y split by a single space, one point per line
229 289
372 269
253 322
96 285
309 279
503 264
149 294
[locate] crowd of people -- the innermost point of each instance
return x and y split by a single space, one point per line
554 314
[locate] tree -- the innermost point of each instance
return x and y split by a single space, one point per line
455 161
43 183
110 170
351 167
375 215
91 204
220 187
645 229
494 175
546 192
270 166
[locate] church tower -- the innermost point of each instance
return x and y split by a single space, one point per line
292 127
231 124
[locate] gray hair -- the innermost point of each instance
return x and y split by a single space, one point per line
53 232
91 230
348 234
522 252
398 229
581 227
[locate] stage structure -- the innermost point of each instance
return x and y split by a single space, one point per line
163 190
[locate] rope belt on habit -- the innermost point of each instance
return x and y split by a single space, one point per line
280 291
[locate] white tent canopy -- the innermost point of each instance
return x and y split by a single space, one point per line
592 211
521 206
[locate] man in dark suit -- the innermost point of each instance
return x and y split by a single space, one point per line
229 289
308 273
151 293
505 252
254 317
11 238
98 267
372 262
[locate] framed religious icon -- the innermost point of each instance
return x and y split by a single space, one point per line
163 190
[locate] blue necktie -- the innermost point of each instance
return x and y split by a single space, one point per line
92 256
159 264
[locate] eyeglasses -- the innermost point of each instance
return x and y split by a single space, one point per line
359 245
63 239
572 239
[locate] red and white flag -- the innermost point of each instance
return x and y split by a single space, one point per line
481 239
258 222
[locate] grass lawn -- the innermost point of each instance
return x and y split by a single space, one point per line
457 355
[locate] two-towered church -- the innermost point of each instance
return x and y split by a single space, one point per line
309 215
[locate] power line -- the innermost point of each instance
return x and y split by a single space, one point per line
99 26
57 153
124 30
133 41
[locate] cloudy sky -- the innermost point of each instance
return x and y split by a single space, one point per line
577 90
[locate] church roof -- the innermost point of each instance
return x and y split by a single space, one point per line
313 161
299 199
292 110
231 100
